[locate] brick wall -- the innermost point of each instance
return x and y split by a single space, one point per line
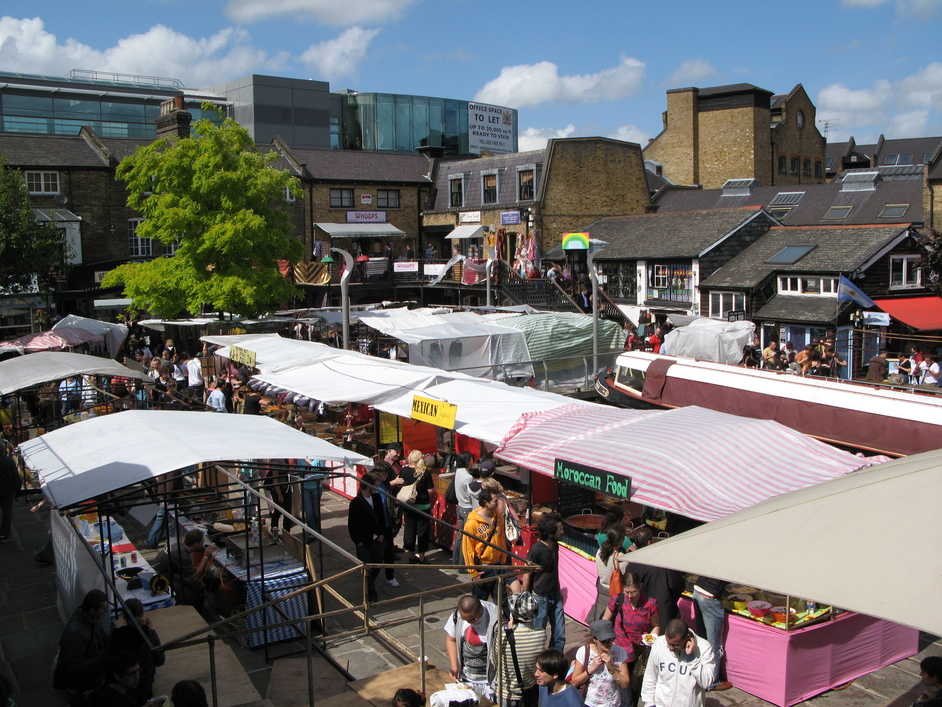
677 147
728 144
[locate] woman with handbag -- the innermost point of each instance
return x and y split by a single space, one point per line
417 480
634 614
610 557
602 666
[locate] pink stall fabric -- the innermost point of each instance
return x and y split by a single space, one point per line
577 577
788 667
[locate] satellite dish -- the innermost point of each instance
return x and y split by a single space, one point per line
61 199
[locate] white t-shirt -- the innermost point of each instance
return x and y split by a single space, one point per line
472 644
194 372
602 690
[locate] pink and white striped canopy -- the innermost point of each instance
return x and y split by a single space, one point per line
61 338
693 461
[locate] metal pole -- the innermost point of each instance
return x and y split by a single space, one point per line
212 669
422 652
590 259
345 293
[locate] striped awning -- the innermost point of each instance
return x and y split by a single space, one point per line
696 462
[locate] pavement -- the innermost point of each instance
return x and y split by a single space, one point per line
30 627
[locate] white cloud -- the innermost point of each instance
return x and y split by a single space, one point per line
527 85
340 57
26 46
630 133
536 138
920 9
692 71
898 109
331 12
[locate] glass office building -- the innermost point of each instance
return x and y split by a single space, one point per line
113 105
400 123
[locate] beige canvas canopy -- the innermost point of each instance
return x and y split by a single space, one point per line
868 542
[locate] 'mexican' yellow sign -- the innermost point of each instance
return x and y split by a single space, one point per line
437 412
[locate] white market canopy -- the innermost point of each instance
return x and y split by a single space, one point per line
113 334
465 232
102 454
831 542
361 230
696 462
45 366
486 409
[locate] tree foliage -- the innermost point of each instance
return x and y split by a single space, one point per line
217 198
27 247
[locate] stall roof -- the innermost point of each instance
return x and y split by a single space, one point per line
921 313
360 230
697 462
114 334
273 352
44 366
75 463
815 542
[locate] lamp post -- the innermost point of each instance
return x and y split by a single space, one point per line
344 290
590 258
491 256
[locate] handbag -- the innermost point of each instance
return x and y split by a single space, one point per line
615 584
641 663
511 529
408 494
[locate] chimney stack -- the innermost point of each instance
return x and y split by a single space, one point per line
174 120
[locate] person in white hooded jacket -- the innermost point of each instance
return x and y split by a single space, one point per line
681 667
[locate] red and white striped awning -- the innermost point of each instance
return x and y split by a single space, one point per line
693 461
61 338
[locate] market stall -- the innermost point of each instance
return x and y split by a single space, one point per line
700 465
74 466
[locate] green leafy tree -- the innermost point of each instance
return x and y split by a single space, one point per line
27 247
216 198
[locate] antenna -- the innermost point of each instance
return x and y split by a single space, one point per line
827 126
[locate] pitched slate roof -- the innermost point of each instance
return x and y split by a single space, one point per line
357 166
798 309
673 235
475 167
837 249
48 151
898 186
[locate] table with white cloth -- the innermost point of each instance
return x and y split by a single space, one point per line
262 584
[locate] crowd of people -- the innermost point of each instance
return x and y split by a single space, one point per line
102 665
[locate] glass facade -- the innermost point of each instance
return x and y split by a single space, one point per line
27 105
399 123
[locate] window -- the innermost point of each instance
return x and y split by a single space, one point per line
139 247
489 188
837 213
806 168
780 212
782 164
662 275
387 198
42 182
171 248
807 285
828 163
904 271
926 157
790 254
789 284
341 198
893 211
903 158
456 190
525 185
786 198
721 303
794 169
817 169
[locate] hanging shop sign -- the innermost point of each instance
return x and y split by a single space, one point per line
575 241
243 356
436 412
510 218
366 217
591 478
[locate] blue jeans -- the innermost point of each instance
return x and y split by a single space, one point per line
311 495
157 530
551 608
710 611
457 556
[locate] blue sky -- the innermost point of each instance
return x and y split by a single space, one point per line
595 67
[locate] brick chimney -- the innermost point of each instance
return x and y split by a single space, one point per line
174 120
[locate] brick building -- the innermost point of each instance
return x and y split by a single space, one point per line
712 135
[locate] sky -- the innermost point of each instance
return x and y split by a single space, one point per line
586 68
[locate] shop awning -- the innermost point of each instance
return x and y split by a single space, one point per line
921 313
693 461
361 230
466 232
44 366
114 334
814 542
74 464
57 215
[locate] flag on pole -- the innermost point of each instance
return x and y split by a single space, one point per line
849 292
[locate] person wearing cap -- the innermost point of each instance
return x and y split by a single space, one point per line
603 664
515 664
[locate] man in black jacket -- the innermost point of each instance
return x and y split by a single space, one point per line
10 485
80 668
367 530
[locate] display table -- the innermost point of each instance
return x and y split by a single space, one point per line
787 667
262 584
